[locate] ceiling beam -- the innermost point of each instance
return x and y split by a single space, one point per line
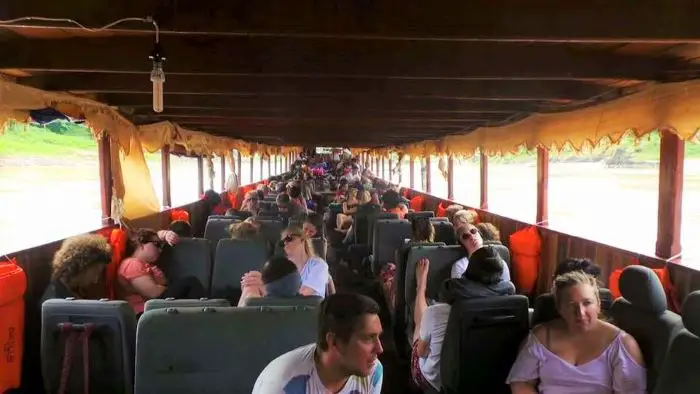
498 20
237 85
333 59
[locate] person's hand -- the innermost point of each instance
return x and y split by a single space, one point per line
171 238
252 279
422 268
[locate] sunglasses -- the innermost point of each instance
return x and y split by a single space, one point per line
287 239
469 233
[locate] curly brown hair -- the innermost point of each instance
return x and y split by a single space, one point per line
489 232
78 253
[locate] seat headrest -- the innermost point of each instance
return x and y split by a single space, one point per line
642 288
691 312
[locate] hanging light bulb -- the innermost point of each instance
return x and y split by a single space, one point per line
157 77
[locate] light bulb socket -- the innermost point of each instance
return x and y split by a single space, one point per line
157 54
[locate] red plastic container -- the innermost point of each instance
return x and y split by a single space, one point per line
13 284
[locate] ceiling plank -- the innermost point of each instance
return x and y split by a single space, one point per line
237 85
498 20
333 59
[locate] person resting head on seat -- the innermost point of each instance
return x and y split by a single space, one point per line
451 210
77 265
578 350
315 278
422 230
463 218
313 225
140 278
344 358
469 237
181 228
483 279
391 201
279 277
247 230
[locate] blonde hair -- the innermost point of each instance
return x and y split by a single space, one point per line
243 230
451 210
464 217
571 279
299 232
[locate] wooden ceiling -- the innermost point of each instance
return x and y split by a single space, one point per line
363 73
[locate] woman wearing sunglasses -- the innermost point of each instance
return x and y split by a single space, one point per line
471 240
140 278
315 279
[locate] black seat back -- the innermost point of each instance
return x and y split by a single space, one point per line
284 301
425 214
389 235
545 309
217 228
189 257
233 259
481 343
372 220
111 345
158 303
444 231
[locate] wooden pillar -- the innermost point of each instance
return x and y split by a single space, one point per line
104 153
240 168
484 180
450 178
223 173
428 165
262 161
200 175
542 186
165 170
383 168
391 169
668 232
412 171
252 167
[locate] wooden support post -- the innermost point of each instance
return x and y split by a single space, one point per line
262 161
542 217
412 171
484 180
200 175
239 168
104 153
165 171
450 178
252 167
391 167
668 232
223 173
269 166
383 169
428 180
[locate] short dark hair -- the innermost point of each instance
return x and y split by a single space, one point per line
340 314
485 266
422 229
181 228
577 264
276 268
317 221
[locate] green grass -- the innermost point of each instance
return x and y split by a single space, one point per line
59 139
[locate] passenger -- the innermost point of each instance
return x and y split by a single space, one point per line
464 217
344 220
296 197
343 359
489 233
422 230
209 204
77 265
470 238
139 277
251 203
451 210
298 249
279 278
392 203
313 226
483 278
578 350
246 230
181 228
573 264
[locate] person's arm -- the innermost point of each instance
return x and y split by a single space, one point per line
629 374
525 373
315 283
136 273
427 326
523 388
168 236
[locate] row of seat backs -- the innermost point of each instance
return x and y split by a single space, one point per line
112 344
545 307
481 343
217 229
215 350
389 235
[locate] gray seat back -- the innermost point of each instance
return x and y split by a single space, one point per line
217 228
111 345
642 312
215 350
158 303
545 308
389 235
425 214
441 260
233 259
492 328
372 220
189 257
284 301
444 231
679 374
271 230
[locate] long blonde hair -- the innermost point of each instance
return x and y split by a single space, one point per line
299 232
